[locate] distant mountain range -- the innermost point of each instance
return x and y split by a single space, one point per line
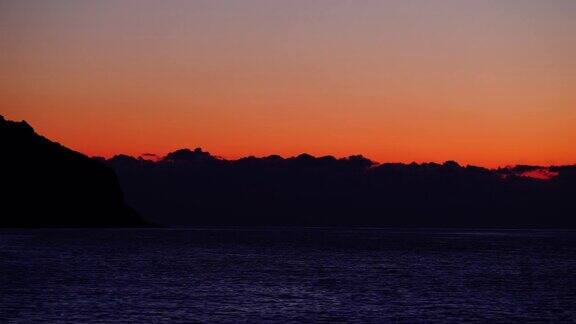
45 184
193 187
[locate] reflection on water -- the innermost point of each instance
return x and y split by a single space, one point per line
278 275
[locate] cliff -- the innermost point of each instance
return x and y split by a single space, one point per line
45 184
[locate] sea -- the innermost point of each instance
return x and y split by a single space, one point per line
287 275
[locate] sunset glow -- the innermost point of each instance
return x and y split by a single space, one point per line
483 82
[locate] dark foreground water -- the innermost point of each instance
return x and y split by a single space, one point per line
280 275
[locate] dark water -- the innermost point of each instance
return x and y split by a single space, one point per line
282 275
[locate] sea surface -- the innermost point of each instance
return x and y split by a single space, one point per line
287 275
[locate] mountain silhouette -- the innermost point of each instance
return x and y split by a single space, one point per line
45 184
193 187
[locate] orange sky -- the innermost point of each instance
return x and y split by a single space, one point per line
478 81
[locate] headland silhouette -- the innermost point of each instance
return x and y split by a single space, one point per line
45 184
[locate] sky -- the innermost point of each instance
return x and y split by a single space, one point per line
484 82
